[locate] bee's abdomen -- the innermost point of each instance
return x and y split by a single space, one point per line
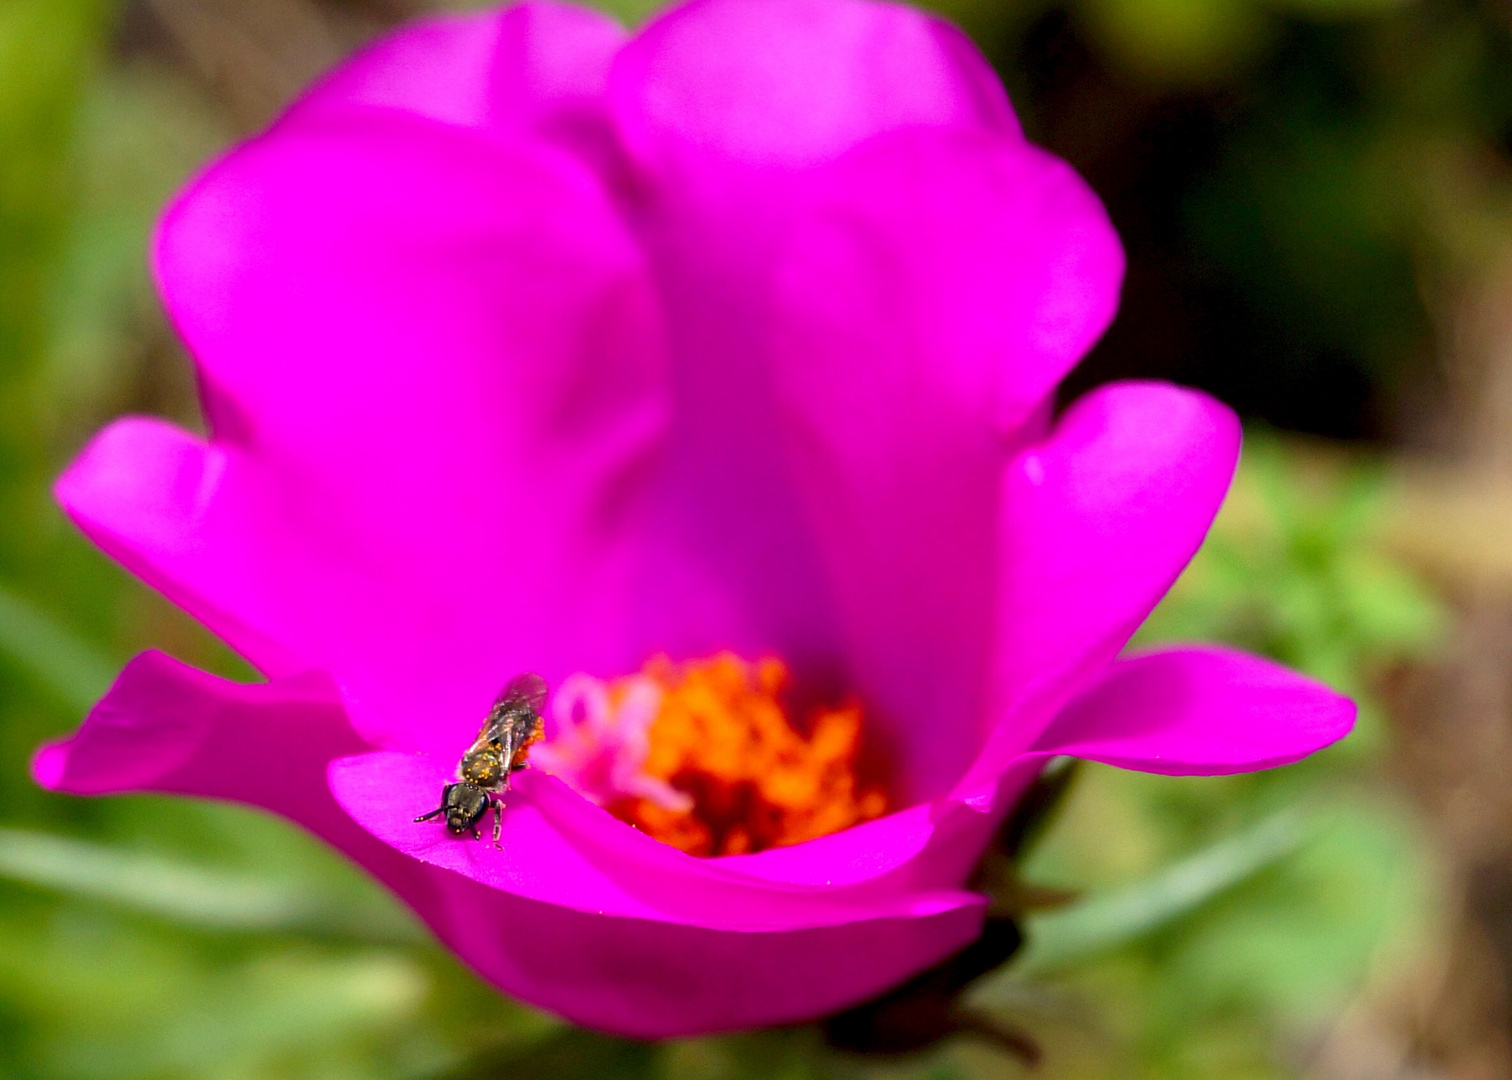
482 768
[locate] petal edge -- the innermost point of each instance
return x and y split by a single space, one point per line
1202 711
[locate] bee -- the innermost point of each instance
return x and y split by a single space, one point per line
501 749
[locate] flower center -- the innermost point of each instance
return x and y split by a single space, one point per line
702 755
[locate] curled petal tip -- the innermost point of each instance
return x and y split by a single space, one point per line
1200 711
49 764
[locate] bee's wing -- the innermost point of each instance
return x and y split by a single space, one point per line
514 713
490 732
526 691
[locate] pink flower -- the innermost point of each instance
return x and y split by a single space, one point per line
528 345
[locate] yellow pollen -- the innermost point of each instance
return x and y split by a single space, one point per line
721 737
522 752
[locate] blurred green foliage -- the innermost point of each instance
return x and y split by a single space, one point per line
1226 921
1229 920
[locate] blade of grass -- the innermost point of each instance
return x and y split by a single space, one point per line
180 893
1102 923
52 654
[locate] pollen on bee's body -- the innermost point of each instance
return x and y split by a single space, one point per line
701 754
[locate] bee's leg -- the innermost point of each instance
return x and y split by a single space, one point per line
476 834
498 808
437 812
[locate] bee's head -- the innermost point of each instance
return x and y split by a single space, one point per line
465 804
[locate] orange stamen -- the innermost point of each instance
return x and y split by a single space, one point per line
722 738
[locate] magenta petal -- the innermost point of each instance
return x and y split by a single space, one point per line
561 849
534 65
968 268
790 82
936 290
1097 523
707 103
165 727
1199 711
434 373
531 67
932 845
168 728
143 490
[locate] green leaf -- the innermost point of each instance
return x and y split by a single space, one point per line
1102 923
72 669
199 897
